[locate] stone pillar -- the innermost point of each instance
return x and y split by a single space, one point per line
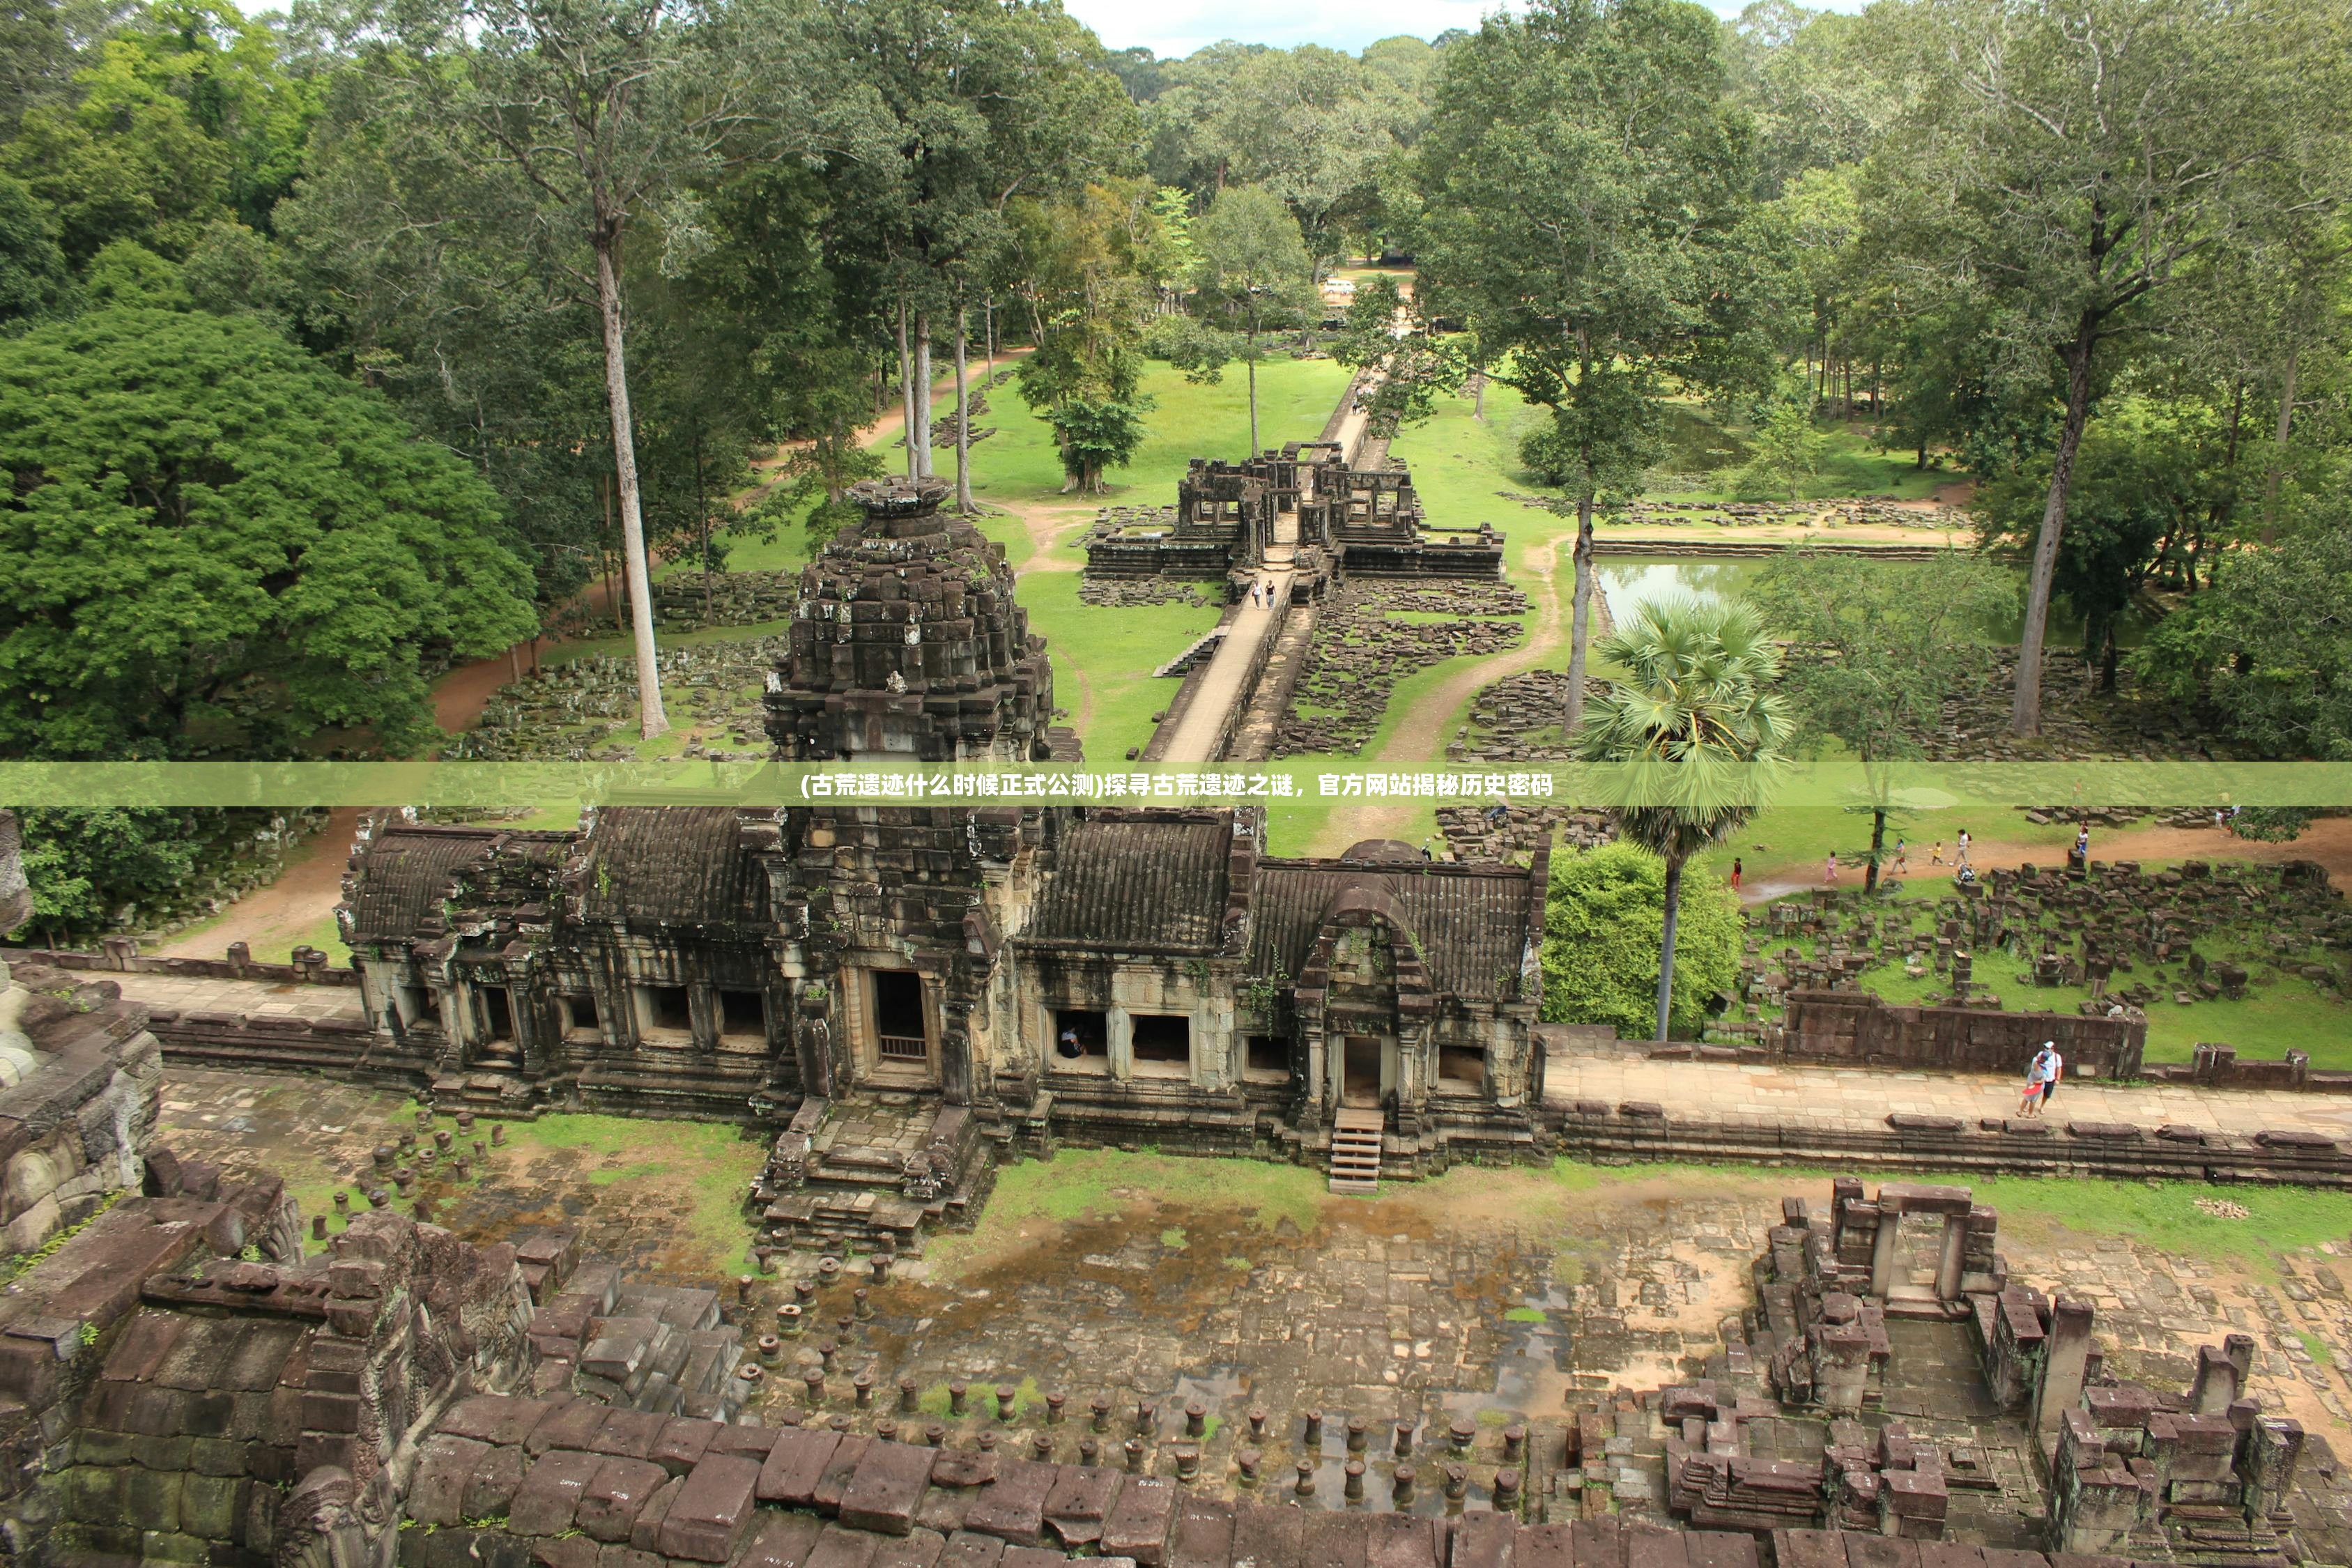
119 950
2272 1449
1841 1367
2064 1360
1948 1267
1882 1256
2215 1384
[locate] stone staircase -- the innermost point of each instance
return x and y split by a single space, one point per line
1356 1152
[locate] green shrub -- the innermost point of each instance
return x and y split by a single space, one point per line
1603 918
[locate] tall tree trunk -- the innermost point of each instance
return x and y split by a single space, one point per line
1253 391
923 394
702 524
614 598
988 330
2025 715
1579 617
2278 445
2108 663
1877 848
963 425
1667 945
1478 394
651 721
906 396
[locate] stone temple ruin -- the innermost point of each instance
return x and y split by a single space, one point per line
946 980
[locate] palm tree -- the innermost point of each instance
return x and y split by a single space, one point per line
1693 704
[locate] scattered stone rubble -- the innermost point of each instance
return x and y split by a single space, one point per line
566 712
1126 592
1362 650
1506 718
1876 510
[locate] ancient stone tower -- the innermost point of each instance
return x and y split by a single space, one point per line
907 643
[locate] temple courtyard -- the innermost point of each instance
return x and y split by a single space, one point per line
1213 1289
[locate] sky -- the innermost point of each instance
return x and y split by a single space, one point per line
1179 27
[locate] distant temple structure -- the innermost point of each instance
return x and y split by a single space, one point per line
940 978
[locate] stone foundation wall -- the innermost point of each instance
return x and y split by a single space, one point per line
83 1078
120 955
1857 1028
734 598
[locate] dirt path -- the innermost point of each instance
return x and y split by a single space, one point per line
2327 841
286 913
1445 704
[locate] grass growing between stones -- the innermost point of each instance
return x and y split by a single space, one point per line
1094 1185
2039 1210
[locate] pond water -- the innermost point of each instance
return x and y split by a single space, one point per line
1628 582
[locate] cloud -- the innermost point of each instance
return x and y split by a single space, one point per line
1179 27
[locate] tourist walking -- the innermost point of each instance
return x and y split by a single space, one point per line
1735 873
1960 848
2051 1068
1902 859
2038 1074
1829 877
2082 852
1936 854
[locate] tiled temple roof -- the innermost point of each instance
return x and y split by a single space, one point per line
1149 882
400 878
1471 922
675 866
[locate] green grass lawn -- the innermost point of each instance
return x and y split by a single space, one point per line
1019 463
1103 661
2285 1013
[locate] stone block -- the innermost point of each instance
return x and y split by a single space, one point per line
1479 1541
711 1509
1202 1536
795 1464
1264 1533
569 1426
1138 1522
609 1510
838 1471
918 1549
1718 1548
1648 1546
1337 1540
549 1499
211 1505
1081 1500
837 1548
629 1434
681 1444
887 1488
436 1494
646 1534
1545 1546
1014 1509
965 1550
490 1490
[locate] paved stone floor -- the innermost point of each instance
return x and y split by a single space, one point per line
1863 1097
248 996
1491 1294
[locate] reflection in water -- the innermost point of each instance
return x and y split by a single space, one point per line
1628 582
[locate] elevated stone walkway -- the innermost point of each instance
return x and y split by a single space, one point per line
1860 1100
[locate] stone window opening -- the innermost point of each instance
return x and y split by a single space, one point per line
664 1015
416 1004
497 1014
1266 1058
1161 1045
1086 1031
576 1015
899 1038
1461 1068
742 1015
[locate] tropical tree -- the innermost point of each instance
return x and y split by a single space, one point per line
2068 165
215 546
584 124
1696 715
1583 182
1874 648
1254 273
